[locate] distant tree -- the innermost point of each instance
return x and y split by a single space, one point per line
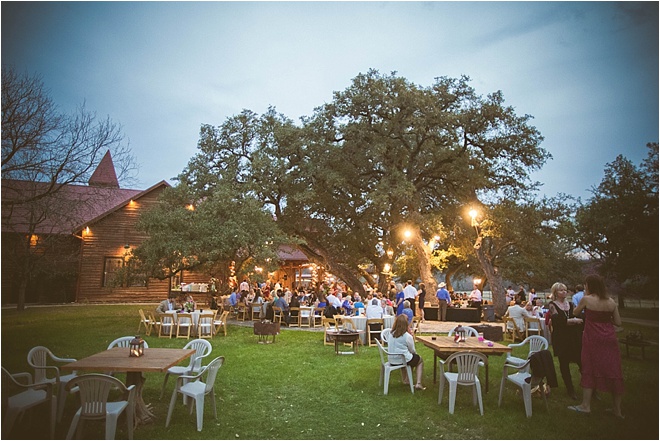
618 225
186 232
44 150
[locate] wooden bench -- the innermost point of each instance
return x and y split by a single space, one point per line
635 343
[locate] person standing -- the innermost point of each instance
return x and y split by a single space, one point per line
443 301
521 296
421 299
398 302
475 299
601 358
410 293
566 334
579 293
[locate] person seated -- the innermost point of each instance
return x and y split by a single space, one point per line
168 304
233 298
358 306
295 301
189 303
407 311
348 306
387 305
517 313
402 342
282 304
374 310
537 310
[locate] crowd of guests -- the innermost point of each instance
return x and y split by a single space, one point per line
583 329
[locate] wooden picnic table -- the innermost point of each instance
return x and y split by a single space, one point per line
118 360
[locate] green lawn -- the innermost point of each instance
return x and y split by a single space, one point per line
298 388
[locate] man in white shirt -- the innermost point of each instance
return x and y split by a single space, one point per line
475 299
333 300
517 313
244 286
410 293
374 310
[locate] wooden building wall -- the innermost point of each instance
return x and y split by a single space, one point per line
108 238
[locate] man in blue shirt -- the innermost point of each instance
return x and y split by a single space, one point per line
233 298
579 293
443 299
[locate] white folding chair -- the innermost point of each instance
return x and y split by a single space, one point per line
536 343
522 378
467 364
38 358
19 397
95 390
192 386
391 362
202 349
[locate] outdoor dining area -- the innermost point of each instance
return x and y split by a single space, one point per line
160 386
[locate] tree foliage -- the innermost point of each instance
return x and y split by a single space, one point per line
383 156
618 226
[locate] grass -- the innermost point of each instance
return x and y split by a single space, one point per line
298 388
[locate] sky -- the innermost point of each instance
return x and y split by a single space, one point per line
586 71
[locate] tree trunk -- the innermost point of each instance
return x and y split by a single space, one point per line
424 259
22 288
496 283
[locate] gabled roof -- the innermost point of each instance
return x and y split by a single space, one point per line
59 213
121 204
289 253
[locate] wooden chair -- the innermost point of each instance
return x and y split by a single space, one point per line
277 314
306 317
374 336
318 317
184 325
242 311
415 324
165 324
329 324
511 331
146 321
533 326
294 312
255 311
206 325
221 323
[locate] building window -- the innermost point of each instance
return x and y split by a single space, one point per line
110 268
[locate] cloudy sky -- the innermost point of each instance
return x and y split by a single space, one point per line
586 71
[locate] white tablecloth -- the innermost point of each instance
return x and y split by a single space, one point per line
360 322
195 319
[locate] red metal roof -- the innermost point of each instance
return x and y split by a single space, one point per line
62 212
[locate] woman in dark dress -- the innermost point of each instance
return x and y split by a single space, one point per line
421 299
566 334
601 357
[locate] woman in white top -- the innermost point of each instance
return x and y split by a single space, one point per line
402 342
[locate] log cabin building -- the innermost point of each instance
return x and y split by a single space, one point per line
83 236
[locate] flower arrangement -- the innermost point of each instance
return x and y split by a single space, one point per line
189 306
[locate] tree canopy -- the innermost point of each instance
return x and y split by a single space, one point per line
618 225
384 156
